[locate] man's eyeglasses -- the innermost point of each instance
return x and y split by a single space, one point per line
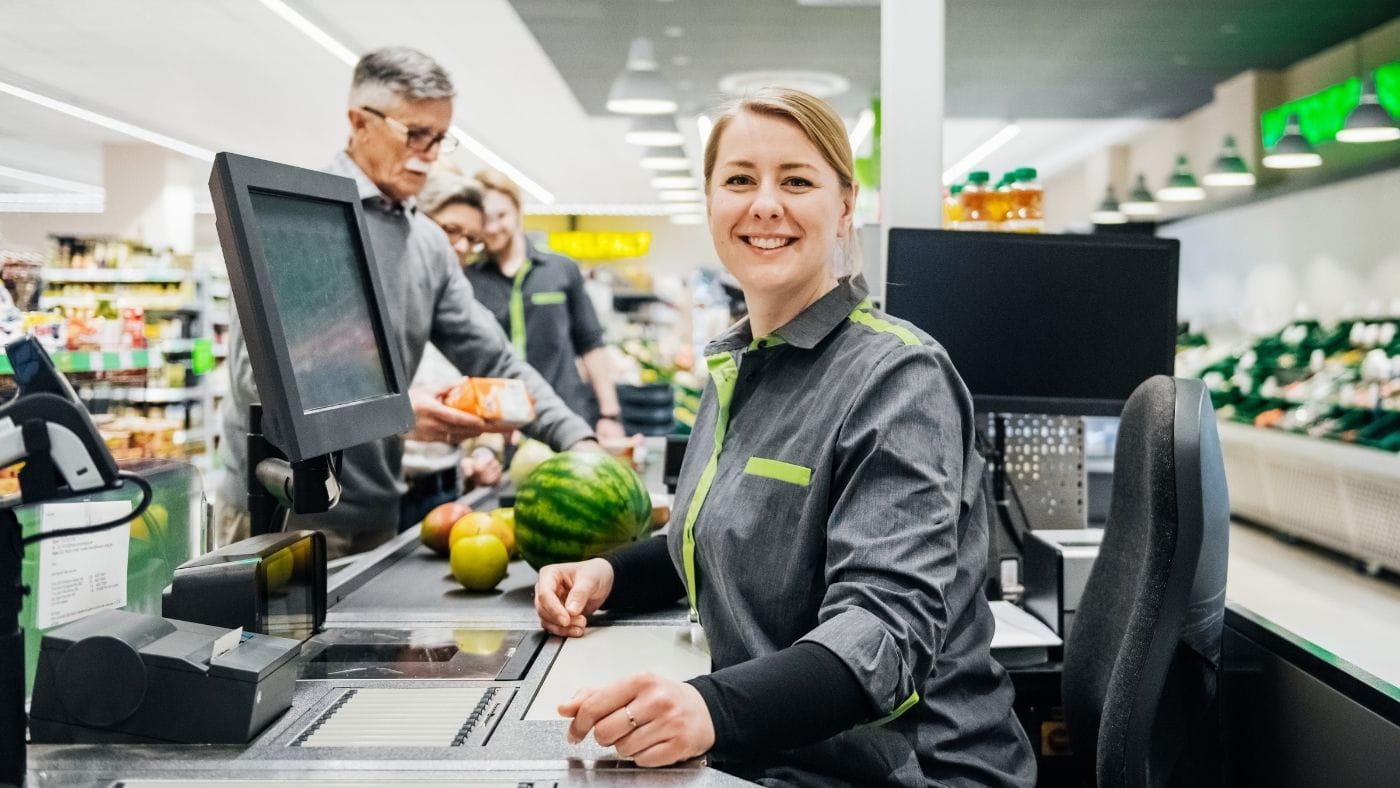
418 140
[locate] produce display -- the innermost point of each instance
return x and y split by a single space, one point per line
1337 382
578 505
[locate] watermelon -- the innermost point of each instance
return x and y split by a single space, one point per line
578 505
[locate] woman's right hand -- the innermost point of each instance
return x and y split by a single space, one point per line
567 594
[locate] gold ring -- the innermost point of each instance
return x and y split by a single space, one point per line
630 719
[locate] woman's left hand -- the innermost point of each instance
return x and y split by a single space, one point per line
653 720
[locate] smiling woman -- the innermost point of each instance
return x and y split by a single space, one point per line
830 525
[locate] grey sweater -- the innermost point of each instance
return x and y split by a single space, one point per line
428 300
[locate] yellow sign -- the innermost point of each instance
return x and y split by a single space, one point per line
583 245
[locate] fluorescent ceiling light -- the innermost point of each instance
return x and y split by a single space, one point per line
311 31
685 207
47 202
966 163
671 181
349 58
39 179
680 195
600 209
687 218
865 123
654 130
670 158
145 135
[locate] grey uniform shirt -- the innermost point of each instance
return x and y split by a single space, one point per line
428 299
560 324
846 509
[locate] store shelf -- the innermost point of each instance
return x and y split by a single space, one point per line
220 290
114 276
159 396
90 302
97 361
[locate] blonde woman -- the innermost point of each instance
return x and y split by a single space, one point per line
830 531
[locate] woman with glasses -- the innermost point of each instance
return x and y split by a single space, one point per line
540 302
432 468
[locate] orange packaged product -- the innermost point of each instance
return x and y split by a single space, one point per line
500 402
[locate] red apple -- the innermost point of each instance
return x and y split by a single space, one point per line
437 526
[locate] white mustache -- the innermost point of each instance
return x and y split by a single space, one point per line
418 165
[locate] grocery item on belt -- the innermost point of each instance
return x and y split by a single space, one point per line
500 402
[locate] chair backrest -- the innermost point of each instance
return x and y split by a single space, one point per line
1142 662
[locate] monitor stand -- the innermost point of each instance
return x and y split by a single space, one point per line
276 485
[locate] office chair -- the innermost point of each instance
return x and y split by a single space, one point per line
1142 663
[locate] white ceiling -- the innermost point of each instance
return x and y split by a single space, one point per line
232 75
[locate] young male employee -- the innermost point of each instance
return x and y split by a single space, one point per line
400 111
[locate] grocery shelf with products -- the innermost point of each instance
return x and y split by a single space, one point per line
137 331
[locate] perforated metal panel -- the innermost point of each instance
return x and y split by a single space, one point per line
1045 464
1374 505
1306 496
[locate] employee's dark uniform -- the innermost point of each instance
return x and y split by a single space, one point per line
549 318
830 521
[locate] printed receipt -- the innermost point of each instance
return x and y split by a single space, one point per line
80 575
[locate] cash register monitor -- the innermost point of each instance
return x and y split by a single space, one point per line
1059 324
310 306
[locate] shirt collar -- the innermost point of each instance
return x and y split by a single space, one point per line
811 325
369 192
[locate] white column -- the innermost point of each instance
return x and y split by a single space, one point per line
911 119
150 195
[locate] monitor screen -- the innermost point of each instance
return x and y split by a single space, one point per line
1041 323
319 282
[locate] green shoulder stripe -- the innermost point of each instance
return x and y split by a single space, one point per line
872 322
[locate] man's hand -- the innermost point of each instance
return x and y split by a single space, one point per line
482 467
609 429
653 720
434 421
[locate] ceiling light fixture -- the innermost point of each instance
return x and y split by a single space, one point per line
1140 204
1181 185
1369 122
1229 169
145 135
664 158
987 148
679 195
1292 151
39 179
673 180
865 123
1108 211
639 89
47 202
349 58
658 130
685 207
687 218
822 84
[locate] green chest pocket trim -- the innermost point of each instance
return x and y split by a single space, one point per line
549 298
782 471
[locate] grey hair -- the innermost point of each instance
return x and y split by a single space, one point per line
447 188
398 73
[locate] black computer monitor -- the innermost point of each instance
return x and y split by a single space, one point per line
1060 324
310 306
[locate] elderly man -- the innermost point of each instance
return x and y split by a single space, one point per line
400 111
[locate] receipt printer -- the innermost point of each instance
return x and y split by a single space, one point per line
1056 571
124 677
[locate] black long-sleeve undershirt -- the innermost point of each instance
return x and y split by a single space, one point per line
796 696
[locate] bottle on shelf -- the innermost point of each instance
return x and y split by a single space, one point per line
1000 200
952 208
976 214
1027 203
